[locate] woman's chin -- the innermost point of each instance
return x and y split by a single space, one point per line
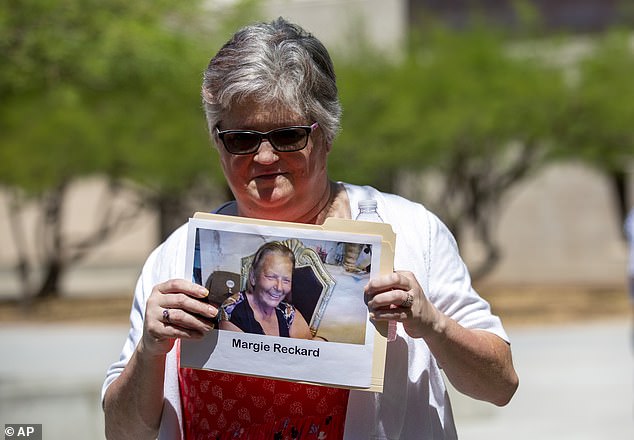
270 202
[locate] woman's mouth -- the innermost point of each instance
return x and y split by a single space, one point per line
277 296
268 176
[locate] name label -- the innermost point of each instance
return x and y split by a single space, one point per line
275 348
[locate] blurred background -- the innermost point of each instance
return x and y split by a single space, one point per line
510 120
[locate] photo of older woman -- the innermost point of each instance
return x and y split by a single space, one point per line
262 308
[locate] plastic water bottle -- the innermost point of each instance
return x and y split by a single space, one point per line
368 213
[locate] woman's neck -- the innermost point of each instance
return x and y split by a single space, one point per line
258 307
318 214
335 203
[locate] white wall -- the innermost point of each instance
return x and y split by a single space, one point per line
561 226
382 23
113 266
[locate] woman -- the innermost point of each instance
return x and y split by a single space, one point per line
262 309
272 109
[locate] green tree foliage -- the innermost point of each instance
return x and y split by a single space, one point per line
107 87
598 125
465 107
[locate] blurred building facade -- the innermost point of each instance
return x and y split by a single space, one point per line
561 226
584 16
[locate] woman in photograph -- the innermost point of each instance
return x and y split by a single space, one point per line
262 308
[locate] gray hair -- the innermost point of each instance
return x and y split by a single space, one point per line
274 63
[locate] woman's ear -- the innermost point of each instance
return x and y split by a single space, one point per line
251 278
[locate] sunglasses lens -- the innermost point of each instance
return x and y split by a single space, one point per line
289 139
241 142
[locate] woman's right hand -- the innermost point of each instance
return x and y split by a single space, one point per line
173 310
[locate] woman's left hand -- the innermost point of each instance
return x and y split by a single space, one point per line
399 297
478 363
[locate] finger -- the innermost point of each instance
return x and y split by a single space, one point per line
182 286
382 283
183 294
191 305
387 300
399 314
180 319
161 331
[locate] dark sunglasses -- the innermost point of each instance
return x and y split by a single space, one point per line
284 140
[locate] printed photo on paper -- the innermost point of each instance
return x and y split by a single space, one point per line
290 301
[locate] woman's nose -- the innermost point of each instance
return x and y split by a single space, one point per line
266 154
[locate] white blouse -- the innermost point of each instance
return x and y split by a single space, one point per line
414 403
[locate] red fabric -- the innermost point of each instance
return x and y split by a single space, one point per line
228 406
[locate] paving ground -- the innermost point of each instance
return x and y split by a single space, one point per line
575 383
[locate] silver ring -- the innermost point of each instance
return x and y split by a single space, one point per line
408 301
166 315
